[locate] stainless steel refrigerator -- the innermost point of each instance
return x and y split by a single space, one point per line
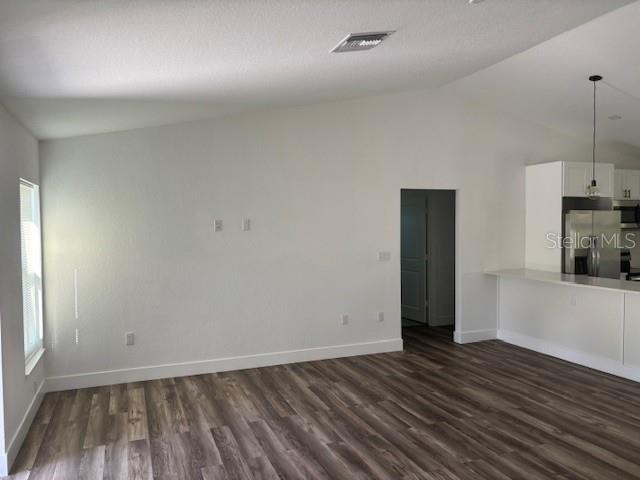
592 243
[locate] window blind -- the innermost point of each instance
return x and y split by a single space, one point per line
31 268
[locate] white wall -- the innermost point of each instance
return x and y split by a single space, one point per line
18 158
133 212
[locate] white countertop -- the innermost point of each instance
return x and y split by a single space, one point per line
567 279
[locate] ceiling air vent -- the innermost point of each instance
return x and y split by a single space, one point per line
361 41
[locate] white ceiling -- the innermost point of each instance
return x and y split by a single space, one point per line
549 83
73 67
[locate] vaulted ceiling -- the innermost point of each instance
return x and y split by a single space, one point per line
549 83
73 67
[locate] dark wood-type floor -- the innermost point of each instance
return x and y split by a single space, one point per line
437 411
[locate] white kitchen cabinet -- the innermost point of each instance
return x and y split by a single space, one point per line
632 180
619 189
576 177
626 185
543 204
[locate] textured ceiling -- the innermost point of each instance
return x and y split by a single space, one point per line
87 66
549 83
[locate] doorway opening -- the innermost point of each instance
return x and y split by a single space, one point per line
427 261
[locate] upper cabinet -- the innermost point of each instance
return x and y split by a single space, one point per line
626 185
576 177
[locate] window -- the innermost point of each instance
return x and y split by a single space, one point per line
31 273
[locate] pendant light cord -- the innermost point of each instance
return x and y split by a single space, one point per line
594 131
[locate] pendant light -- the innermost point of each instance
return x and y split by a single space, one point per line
592 190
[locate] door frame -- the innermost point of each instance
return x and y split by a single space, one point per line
457 255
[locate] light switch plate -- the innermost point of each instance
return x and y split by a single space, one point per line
217 225
381 316
129 338
384 256
344 318
246 224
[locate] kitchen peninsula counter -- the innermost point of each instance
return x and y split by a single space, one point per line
590 321
569 279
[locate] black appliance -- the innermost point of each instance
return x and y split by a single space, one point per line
629 213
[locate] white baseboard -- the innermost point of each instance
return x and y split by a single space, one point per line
111 377
471 336
602 364
7 458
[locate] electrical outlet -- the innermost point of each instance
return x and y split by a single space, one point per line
246 224
129 338
344 318
217 225
77 337
381 316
